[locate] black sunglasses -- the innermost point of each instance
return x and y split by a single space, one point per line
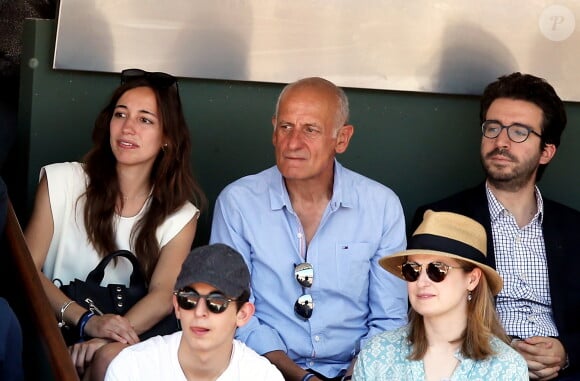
215 302
156 78
304 305
436 271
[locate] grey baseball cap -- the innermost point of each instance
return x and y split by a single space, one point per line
217 265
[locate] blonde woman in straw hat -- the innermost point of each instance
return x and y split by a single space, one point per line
453 331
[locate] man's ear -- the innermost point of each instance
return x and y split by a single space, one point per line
274 121
343 137
548 153
245 313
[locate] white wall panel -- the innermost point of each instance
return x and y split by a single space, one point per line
453 46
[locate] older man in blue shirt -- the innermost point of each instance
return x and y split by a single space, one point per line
312 233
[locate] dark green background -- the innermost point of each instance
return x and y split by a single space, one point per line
424 146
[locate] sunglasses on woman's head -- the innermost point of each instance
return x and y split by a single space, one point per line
156 78
436 271
188 299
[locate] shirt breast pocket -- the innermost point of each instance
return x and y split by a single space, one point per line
353 262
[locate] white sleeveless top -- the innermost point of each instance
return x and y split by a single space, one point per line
70 254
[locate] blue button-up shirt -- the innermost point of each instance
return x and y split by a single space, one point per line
354 298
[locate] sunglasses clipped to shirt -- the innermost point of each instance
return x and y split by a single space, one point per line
188 299
436 271
304 275
156 78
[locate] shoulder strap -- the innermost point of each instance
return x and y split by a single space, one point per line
137 278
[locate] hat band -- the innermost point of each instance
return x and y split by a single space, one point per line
446 245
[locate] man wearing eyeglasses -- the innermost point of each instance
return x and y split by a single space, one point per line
312 233
533 242
210 301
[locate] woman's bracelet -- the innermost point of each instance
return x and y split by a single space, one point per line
308 376
63 308
83 322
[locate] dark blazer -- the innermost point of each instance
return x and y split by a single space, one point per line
561 228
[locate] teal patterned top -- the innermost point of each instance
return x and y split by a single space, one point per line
384 357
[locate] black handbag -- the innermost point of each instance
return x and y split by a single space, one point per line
113 298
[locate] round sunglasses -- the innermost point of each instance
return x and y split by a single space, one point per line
215 302
436 271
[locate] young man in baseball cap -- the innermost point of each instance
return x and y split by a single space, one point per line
211 300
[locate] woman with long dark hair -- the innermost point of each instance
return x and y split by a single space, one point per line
134 190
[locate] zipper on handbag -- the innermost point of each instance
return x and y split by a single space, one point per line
94 309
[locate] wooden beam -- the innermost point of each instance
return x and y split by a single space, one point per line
46 324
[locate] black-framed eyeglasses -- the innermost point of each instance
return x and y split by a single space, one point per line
304 275
517 132
156 78
188 299
436 271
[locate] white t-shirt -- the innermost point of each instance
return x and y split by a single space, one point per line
70 254
156 359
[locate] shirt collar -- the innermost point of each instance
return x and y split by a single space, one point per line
496 209
279 197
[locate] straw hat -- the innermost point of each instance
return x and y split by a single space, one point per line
449 235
